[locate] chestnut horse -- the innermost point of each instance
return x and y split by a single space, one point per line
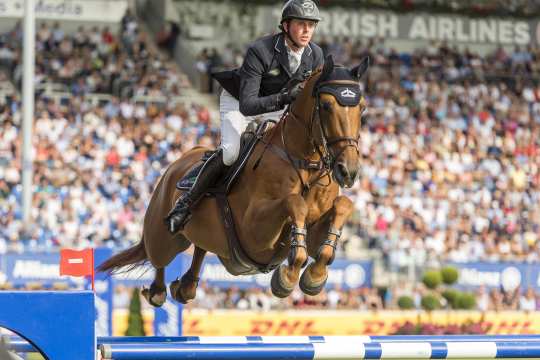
280 208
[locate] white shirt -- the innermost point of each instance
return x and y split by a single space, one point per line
295 57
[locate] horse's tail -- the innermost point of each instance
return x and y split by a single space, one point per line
133 257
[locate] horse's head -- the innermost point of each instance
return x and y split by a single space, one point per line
335 105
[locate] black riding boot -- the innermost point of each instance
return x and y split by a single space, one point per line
180 214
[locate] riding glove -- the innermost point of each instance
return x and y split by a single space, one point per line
289 94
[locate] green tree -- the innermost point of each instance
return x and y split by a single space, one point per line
432 279
405 302
430 302
135 319
449 275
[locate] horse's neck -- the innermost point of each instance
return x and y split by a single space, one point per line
296 136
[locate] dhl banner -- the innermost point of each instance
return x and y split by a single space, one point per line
238 323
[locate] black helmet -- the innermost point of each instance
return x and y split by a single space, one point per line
300 9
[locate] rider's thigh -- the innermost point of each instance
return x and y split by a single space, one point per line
233 124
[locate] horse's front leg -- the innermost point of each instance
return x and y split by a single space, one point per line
285 277
323 237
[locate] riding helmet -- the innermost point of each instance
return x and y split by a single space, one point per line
300 9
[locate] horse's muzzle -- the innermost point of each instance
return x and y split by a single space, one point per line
344 176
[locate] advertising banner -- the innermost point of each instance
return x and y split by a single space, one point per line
366 23
324 322
507 276
78 10
344 273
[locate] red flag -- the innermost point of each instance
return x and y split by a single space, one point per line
77 263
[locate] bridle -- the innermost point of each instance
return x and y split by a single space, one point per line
328 158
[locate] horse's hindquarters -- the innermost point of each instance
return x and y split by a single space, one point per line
205 229
162 246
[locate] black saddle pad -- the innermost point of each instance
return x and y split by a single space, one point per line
189 179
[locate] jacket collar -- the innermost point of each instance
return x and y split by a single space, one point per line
283 58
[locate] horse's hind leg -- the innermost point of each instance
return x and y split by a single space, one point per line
185 289
285 277
323 236
157 293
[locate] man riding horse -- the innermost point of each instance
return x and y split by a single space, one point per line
262 86
285 204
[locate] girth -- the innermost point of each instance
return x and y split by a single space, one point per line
240 262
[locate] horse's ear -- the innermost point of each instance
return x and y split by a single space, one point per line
361 69
328 67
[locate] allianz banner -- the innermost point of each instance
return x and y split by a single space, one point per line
19 269
363 23
496 275
344 273
42 267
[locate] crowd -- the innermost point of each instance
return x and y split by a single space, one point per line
450 162
94 60
95 164
337 298
449 144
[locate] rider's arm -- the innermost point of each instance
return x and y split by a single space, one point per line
250 81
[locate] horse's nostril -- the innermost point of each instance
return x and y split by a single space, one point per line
343 170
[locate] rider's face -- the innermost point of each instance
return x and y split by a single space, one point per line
301 31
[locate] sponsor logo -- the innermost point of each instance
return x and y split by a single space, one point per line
347 93
510 278
274 72
355 276
308 6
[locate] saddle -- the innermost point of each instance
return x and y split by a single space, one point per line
250 137
239 263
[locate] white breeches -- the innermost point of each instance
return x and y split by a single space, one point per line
233 124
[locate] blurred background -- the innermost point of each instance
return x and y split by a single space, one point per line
445 233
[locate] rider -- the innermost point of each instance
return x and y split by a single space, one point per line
259 87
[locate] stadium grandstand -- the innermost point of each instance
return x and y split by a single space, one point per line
450 150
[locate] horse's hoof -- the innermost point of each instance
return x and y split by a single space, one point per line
308 287
279 289
155 296
176 291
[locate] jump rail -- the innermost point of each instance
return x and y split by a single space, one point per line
47 321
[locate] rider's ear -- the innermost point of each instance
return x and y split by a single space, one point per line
360 70
328 67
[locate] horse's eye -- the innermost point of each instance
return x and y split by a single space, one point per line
326 106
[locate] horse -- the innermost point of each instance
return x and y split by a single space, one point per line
284 204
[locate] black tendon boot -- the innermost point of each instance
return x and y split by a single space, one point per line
180 214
